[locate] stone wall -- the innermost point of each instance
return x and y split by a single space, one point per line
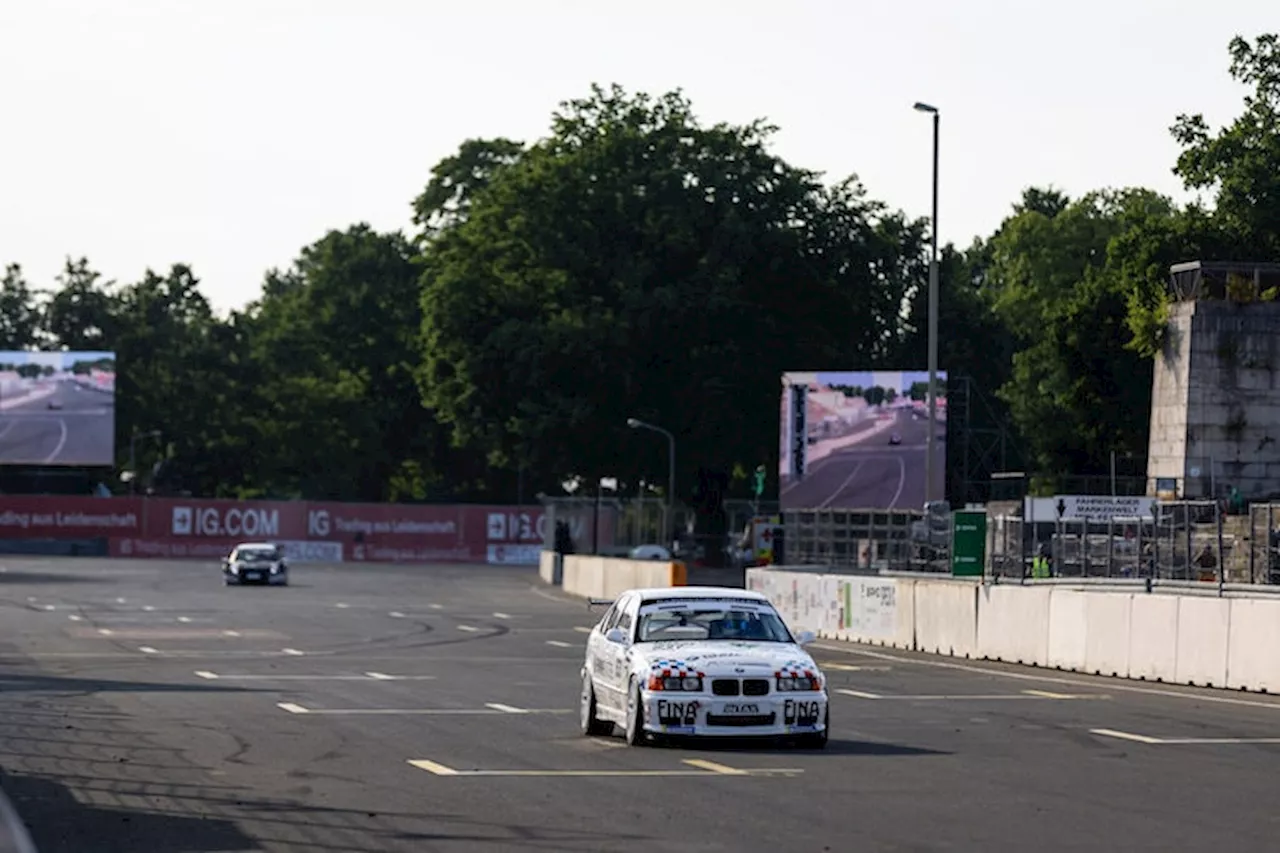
1215 413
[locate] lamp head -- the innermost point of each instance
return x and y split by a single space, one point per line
925 108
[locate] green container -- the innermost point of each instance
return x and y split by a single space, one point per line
968 543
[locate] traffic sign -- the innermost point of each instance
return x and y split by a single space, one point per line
1094 508
968 543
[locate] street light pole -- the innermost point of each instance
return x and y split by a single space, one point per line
668 509
933 313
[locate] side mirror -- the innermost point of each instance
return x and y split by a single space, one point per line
804 638
615 635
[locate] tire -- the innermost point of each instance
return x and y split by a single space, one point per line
590 724
635 733
817 740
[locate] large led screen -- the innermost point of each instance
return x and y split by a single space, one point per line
57 408
859 440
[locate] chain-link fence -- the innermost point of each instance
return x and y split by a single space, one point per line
1181 540
867 540
1264 543
613 525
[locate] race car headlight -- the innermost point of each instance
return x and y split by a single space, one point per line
672 682
803 682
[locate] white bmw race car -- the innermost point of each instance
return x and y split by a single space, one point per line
700 661
257 563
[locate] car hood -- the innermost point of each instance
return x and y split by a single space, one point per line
723 657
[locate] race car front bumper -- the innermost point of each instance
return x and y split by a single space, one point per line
262 576
775 715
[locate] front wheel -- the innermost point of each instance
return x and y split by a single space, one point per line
818 740
635 716
591 724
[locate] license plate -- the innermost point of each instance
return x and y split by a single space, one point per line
740 709
795 709
253 576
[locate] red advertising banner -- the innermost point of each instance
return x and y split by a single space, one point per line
187 527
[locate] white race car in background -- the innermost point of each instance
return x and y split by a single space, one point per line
701 661
255 562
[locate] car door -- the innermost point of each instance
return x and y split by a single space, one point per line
599 664
619 654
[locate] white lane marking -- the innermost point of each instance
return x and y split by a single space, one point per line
231 633
704 769
204 673
723 769
147 650
291 651
902 482
380 676
467 628
501 615
75 618
436 606
120 601
859 694
106 632
50 607
342 605
840 488
433 767
848 667
581 629
506 709
1183 741
473 712
1049 679
292 708
1124 735
559 644
148 608
1045 694
395 614
184 618
62 442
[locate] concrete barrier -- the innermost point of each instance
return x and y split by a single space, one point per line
946 617
551 568
1013 624
1153 638
875 611
608 577
1187 636
1253 645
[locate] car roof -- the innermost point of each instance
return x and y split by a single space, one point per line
692 592
273 546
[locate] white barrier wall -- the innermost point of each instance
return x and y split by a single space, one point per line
609 577
1177 637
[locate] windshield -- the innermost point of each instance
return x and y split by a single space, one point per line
253 555
711 620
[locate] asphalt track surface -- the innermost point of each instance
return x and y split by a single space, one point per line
79 431
873 474
145 707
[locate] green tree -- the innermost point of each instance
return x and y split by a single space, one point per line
19 314
1241 163
1078 389
80 312
638 264
335 343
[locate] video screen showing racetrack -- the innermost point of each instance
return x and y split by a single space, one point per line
57 408
858 439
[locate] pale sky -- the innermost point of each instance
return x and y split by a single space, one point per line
231 133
